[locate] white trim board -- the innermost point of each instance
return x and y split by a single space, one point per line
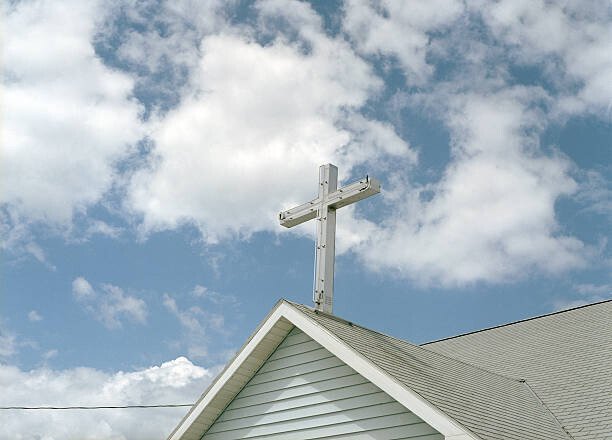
264 341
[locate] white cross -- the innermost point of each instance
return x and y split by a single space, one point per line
323 208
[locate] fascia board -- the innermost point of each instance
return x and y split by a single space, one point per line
199 407
411 400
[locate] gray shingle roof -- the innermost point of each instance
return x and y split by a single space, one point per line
477 379
566 358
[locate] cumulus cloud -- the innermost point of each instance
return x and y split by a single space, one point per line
285 107
399 30
70 119
178 381
259 121
249 111
34 316
160 53
575 35
111 305
82 290
492 215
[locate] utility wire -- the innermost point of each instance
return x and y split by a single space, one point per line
178 405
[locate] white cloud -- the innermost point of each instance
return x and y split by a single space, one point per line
199 325
165 47
263 105
109 306
34 316
572 39
16 240
594 289
11 343
8 344
595 193
588 293
69 118
565 304
177 381
199 291
260 119
217 298
116 303
37 252
50 354
82 290
399 29
97 227
492 215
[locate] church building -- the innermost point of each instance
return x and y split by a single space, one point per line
306 374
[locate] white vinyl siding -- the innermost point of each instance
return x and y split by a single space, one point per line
304 392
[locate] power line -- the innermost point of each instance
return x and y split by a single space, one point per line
177 405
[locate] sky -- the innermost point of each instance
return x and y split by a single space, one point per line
148 146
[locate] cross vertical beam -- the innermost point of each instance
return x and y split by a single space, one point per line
323 208
326 240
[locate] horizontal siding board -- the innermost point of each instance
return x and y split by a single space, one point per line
298 431
420 431
297 370
287 382
300 390
298 359
242 417
303 392
307 398
296 338
357 415
290 350
313 399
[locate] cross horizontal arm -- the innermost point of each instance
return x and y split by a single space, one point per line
299 214
353 193
341 197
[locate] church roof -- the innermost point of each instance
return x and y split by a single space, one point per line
491 405
544 378
564 357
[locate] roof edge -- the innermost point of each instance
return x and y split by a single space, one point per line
533 318
184 424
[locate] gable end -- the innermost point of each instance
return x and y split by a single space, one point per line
304 392
263 343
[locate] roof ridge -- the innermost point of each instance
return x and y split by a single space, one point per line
533 318
352 324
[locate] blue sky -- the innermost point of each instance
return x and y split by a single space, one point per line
149 145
